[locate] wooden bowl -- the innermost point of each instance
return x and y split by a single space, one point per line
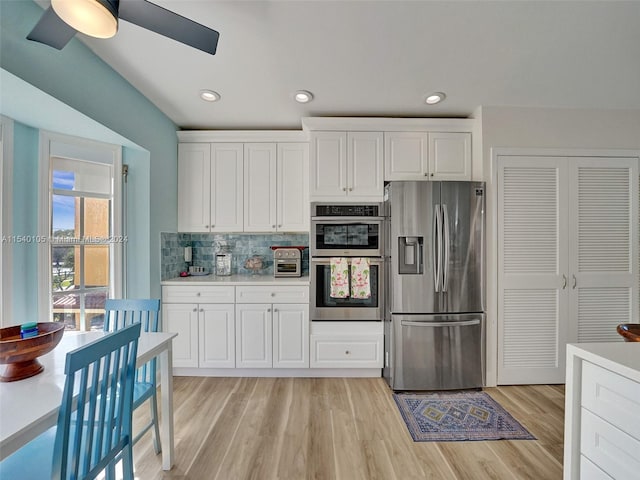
630 331
20 355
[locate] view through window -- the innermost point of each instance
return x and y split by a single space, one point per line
81 241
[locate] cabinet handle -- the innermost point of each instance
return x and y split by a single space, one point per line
344 189
351 189
432 174
279 226
426 174
347 352
198 294
564 281
202 309
268 309
575 281
273 294
275 310
273 226
195 309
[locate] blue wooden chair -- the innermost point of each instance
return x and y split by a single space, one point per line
122 312
95 434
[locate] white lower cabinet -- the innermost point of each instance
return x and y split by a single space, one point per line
183 320
248 330
216 329
272 335
347 345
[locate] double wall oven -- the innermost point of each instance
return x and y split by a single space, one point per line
346 231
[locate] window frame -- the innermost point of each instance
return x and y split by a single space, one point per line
58 145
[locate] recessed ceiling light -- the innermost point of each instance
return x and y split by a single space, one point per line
302 96
434 98
209 95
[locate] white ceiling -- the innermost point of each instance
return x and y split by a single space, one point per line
380 58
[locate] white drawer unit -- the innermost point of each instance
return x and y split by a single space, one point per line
198 294
346 345
590 470
613 398
609 448
335 351
602 411
272 294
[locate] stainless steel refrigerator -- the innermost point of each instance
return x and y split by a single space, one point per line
434 254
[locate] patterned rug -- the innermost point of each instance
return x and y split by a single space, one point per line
456 416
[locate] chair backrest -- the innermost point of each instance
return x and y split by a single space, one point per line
122 311
90 437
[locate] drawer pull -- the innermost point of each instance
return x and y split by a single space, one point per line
198 294
273 294
347 352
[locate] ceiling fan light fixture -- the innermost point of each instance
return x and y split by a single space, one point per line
303 96
209 95
435 97
96 18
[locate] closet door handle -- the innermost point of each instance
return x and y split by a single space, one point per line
564 281
575 281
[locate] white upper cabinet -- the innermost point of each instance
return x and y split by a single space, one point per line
292 187
276 187
243 187
346 165
427 156
449 156
226 187
260 187
210 187
194 185
406 156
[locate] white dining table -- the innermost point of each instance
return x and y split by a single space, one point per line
29 407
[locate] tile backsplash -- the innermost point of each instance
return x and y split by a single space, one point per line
242 246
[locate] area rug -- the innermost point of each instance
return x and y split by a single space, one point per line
457 416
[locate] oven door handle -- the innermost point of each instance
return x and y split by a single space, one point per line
327 260
347 220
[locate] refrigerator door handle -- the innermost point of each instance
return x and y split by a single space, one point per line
436 246
445 247
441 324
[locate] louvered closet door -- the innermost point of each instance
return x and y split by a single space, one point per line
532 266
603 251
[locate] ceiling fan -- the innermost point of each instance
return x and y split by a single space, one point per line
99 18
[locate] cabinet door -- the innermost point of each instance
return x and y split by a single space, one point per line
253 336
182 318
328 164
450 156
194 186
290 336
293 187
406 156
226 187
532 269
217 336
365 164
604 247
260 187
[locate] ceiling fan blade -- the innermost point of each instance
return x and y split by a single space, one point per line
169 24
51 30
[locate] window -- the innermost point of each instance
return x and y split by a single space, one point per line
83 252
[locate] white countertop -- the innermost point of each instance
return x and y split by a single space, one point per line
212 279
619 357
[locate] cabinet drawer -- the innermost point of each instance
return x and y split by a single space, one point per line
612 397
589 470
272 294
198 294
333 351
608 447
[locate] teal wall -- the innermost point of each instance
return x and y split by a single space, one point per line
81 80
25 221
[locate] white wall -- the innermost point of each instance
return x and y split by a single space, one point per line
519 127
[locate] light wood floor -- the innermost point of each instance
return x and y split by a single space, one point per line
302 428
